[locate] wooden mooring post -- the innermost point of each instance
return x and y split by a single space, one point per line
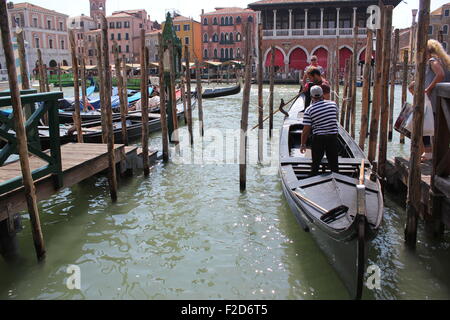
245 106
59 77
188 94
393 79
107 84
175 139
366 91
76 86
41 72
404 86
122 96
199 91
101 75
83 80
384 120
25 79
260 94
376 107
144 104
272 88
337 77
22 143
162 100
348 105
413 207
345 92
354 78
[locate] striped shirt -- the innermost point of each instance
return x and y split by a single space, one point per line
322 117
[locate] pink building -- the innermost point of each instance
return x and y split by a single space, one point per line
43 29
223 33
123 28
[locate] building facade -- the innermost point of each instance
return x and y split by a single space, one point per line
124 28
440 22
300 29
152 43
223 33
189 32
44 29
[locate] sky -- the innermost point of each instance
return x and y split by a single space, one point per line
193 8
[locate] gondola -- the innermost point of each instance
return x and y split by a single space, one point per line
92 131
342 234
221 92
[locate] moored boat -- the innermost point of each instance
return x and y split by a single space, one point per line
221 92
343 235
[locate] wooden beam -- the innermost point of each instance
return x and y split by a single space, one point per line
384 120
23 61
76 86
144 104
413 203
122 96
112 176
162 97
272 88
198 69
245 106
101 76
366 91
404 86
354 76
260 94
188 94
393 79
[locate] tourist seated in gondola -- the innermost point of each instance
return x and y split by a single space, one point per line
316 79
321 119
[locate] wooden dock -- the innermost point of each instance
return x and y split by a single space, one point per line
79 162
397 172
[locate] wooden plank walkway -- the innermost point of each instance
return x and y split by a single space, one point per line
398 171
79 162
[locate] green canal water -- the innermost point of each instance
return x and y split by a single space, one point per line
186 232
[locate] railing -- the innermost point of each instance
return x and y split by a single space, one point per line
313 32
345 32
46 104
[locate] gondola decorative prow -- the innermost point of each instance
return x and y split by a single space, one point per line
282 104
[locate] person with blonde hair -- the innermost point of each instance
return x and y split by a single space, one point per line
437 71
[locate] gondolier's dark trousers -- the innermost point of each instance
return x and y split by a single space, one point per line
321 145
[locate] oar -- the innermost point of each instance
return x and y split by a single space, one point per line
279 109
328 215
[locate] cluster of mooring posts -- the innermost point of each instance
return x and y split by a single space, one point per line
427 185
38 174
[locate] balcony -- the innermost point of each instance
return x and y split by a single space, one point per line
312 33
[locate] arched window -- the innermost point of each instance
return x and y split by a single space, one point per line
226 54
222 37
205 21
222 21
238 20
231 37
238 37
238 53
222 53
231 20
205 37
215 37
250 19
231 53
226 21
215 53
444 44
445 29
205 54
227 37
215 21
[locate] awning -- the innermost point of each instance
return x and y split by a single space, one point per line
154 64
191 64
66 68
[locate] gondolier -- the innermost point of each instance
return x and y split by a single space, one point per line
321 119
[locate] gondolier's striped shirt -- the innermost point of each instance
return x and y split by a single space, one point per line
322 117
